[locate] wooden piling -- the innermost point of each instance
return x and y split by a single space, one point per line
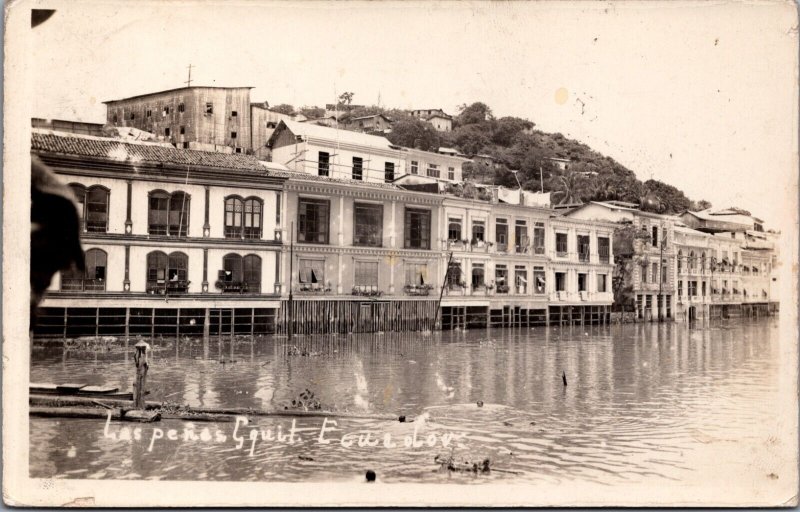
140 358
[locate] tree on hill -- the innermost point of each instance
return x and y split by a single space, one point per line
506 130
700 205
568 188
664 198
476 113
413 133
313 112
283 108
470 139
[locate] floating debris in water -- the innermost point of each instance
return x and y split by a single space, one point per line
480 403
305 458
371 476
449 463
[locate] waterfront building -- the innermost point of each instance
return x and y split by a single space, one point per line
362 256
649 273
176 241
202 118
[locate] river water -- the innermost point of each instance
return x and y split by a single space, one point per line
655 403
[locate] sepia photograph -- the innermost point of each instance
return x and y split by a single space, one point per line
480 253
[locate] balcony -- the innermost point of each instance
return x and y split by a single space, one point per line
167 287
82 285
480 290
480 245
313 288
455 289
583 257
237 287
366 290
458 245
417 290
501 247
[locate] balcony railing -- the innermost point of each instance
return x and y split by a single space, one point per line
313 288
167 287
417 289
83 285
366 290
583 257
237 287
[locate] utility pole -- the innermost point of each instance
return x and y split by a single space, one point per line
441 292
189 81
290 327
541 178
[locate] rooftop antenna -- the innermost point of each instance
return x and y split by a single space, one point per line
189 81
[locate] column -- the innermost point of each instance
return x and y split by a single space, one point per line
393 230
206 225
341 223
128 220
205 270
126 284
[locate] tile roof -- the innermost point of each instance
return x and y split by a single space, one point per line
100 147
302 176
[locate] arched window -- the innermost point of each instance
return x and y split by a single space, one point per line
92 207
680 261
240 274
168 214
252 217
92 278
233 217
703 262
243 217
167 273
691 261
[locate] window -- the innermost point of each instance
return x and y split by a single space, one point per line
654 238
602 283
253 208
388 172
133 116
582 282
690 263
414 167
478 276
241 274
209 108
233 135
501 278
312 222
433 171
655 272
539 280
92 207
692 288
311 274
166 132
148 113
561 244
561 281
454 229
680 288
521 279
234 113
604 249
521 236
416 274
583 248
91 279
167 273
366 275
453 277
501 234
183 130
368 224
680 261
166 111
323 163
181 108
417 229
664 271
168 213
185 145
644 272
451 173
358 168
538 238
478 231
703 286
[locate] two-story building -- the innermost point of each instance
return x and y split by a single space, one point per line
176 241
441 121
359 256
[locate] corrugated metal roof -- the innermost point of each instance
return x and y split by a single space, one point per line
174 90
332 134
100 147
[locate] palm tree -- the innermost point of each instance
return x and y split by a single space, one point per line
569 188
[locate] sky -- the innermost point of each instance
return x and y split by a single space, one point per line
701 96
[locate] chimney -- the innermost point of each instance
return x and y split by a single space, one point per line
495 194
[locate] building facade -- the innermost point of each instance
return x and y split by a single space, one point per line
435 116
176 241
201 118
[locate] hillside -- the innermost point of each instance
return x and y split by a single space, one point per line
514 143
